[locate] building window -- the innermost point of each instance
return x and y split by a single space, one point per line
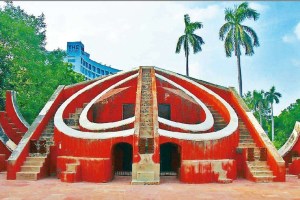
94 68
81 60
106 72
89 66
102 72
98 70
71 60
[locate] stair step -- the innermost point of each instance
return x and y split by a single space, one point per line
29 176
41 159
249 145
262 173
258 164
28 168
225 180
33 163
264 179
71 167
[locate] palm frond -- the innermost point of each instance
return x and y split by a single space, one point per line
180 43
229 15
196 42
246 43
277 94
244 12
187 19
253 35
224 30
229 43
194 26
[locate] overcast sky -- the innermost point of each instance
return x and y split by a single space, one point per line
130 34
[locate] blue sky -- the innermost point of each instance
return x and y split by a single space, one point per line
129 34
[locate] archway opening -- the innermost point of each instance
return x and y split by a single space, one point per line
122 159
170 159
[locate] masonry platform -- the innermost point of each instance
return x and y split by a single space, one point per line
144 123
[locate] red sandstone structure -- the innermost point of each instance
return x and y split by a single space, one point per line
290 151
12 128
146 123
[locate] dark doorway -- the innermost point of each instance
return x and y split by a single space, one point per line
164 111
128 110
122 159
169 159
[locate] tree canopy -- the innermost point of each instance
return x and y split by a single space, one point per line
26 66
189 38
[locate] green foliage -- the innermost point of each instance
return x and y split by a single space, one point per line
235 35
258 104
285 122
190 38
26 66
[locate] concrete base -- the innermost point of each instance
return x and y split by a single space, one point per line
146 172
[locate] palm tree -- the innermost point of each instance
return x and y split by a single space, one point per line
272 96
189 39
237 35
259 103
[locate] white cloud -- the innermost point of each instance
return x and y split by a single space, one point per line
297 31
289 38
294 36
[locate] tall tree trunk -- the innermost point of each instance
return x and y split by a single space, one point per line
272 122
187 64
239 75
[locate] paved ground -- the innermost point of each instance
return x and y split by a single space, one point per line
170 188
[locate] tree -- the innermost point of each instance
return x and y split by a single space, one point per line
285 122
260 104
25 65
272 96
237 35
190 39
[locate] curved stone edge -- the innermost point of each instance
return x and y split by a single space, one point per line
16 108
225 132
13 112
65 129
10 145
204 126
87 124
36 124
290 143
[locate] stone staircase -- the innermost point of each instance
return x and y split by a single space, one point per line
31 168
257 165
14 131
146 143
72 173
35 166
73 120
219 122
146 171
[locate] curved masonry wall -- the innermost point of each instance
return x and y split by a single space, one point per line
206 155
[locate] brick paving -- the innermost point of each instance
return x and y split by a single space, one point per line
170 188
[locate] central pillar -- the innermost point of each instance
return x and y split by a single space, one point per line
146 167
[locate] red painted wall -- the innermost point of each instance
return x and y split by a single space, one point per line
11 112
